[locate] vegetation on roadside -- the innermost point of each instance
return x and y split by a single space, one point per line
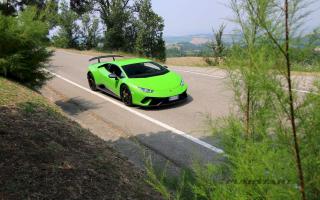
23 53
44 155
112 25
271 143
218 48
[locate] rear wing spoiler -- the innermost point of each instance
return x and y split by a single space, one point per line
106 56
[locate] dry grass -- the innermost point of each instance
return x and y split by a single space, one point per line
297 73
187 61
44 155
13 94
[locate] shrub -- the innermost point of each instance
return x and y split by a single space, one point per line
22 51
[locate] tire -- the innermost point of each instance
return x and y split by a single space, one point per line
92 82
126 96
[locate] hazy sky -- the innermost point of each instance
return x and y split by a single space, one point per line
183 17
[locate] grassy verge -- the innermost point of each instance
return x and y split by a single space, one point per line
44 155
187 61
307 69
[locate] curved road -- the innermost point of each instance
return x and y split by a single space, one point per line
178 133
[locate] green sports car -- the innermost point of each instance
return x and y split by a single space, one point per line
137 81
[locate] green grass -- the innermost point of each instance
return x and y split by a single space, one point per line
12 93
306 68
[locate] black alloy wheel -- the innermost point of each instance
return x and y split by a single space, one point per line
126 96
92 82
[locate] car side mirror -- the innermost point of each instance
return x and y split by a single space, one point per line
165 66
113 76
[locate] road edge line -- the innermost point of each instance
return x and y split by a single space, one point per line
199 73
150 119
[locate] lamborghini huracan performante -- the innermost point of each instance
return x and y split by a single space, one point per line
137 81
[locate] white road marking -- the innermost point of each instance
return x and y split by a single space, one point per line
198 73
222 77
74 54
304 91
146 117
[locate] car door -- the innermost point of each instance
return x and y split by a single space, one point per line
103 74
113 84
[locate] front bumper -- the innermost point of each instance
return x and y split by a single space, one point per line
162 101
158 98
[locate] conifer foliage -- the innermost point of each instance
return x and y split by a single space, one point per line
22 47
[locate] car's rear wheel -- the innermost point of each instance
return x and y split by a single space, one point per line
92 82
126 96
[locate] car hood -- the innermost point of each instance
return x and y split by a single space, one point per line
162 82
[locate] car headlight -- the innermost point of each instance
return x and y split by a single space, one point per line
146 90
182 82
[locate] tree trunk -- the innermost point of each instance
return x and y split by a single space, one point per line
292 111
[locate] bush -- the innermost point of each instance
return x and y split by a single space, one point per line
22 51
60 41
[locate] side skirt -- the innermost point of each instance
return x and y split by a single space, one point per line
103 89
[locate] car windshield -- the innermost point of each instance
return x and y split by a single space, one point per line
143 70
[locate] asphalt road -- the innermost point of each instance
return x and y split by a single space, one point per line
178 133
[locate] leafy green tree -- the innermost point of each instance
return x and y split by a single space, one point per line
81 6
150 41
125 23
115 25
304 54
115 15
131 32
217 44
23 53
10 7
49 13
89 31
7 8
271 141
68 34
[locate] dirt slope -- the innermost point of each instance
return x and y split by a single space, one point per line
44 155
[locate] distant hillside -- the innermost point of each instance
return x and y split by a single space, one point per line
199 39
186 38
194 45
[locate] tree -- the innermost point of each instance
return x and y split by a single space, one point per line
217 44
10 7
290 18
23 53
150 41
7 8
115 15
49 13
80 6
68 34
248 66
273 128
89 31
125 25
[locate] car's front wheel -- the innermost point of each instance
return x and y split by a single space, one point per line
92 82
126 96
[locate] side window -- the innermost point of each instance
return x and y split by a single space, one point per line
152 66
107 67
116 70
